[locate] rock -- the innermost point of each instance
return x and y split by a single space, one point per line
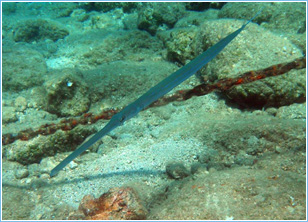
9 114
72 165
180 41
47 164
116 204
180 44
244 159
45 176
282 17
278 91
39 30
107 21
107 145
278 149
177 171
196 18
79 15
67 93
154 16
21 173
9 170
294 111
212 158
132 45
34 150
102 46
271 111
239 57
130 21
186 42
20 103
298 39
23 67
210 155
34 169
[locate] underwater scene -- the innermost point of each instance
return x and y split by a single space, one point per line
222 138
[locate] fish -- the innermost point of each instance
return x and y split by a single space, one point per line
154 94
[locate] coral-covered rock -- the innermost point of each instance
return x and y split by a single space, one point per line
152 16
38 30
180 44
116 204
67 93
180 41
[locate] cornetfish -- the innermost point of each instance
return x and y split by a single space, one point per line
153 94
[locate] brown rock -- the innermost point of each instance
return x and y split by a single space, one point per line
116 204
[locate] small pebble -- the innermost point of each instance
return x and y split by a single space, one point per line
271 111
212 170
73 165
20 103
46 165
278 149
69 84
259 198
45 176
28 181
